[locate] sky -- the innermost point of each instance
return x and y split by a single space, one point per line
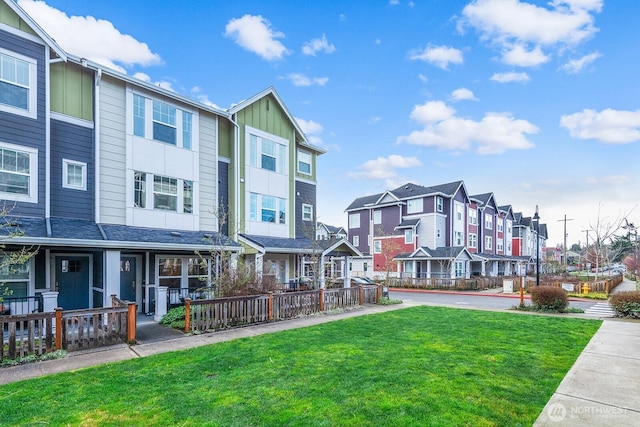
533 101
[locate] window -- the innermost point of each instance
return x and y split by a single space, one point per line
458 238
164 123
499 225
354 220
18 80
488 221
459 212
473 216
439 204
138 115
165 193
459 268
140 190
267 154
473 240
183 272
187 121
18 172
438 233
356 240
15 277
408 236
304 162
488 243
307 212
377 217
187 196
499 245
74 175
414 206
272 209
377 247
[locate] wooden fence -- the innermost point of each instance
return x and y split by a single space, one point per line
222 313
39 333
602 285
472 284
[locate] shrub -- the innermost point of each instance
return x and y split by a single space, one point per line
626 304
175 318
549 298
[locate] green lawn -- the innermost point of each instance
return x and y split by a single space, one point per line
422 366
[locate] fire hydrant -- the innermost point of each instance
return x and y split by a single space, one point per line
585 288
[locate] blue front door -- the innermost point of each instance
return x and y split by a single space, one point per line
72 277
128 278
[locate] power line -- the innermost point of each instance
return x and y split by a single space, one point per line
564 260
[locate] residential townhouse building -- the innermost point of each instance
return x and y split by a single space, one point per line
117 182
430 232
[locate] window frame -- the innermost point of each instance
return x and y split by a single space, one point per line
307 212
258 208
377 217
415 205
255 140
356 241
473 240
439 204
377 246
32 195
473 216
301 161
32 90
488 221
66 163
488 243
353 222
408 236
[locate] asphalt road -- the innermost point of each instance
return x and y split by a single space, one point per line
491 301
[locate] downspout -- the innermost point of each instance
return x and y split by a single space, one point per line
47 149
96 126
236 178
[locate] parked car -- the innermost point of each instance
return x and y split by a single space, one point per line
339 282
366 279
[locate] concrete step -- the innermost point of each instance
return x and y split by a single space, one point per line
601 309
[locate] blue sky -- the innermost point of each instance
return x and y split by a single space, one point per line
534 101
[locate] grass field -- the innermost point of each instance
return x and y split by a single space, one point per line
422 366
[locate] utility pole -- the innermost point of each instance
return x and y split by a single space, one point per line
564 260
586 254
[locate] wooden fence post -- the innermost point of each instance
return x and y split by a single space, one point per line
58 328
321 299
270 307
187 315
113 300
359 294
131 322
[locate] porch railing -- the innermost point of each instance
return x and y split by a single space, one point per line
21 305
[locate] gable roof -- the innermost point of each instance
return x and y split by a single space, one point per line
407 191
300 246
271 91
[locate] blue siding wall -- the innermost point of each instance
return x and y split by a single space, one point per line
305 193
19 130
71 142
223 193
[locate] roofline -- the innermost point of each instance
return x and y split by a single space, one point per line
37 28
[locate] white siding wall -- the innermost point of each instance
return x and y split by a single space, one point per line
441 224
112 151
208 173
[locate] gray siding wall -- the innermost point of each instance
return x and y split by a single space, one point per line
223 192
112 151
71 142
362 232
208 173
390 220
25 131
305 193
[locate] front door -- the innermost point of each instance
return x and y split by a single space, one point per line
128 278
72 278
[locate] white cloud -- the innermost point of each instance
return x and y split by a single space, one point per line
510 77
608 126
423 78
299 79
440 56
87 37
375 120
318 45
384 167
254 33
312 130
146 78
463 94
494 134
506 23
576 65
519 55
142 76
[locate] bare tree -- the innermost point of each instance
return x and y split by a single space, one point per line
605 230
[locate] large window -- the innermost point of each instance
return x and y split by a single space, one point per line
15 277
187 124
138 115
162 122
473 240
18 172
165 193
377 217
264 208
74 175
354 220
488 243
488 221
473 216
267 154
414 206
183 272
18 77
304 162
162 193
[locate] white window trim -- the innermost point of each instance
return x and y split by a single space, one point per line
32 197
356 240
260 207
410 240
377 217
32 110
65 171
417 208
352 221
310 162
439 204
275 138
488 242
473 243
377 246
308 207
149 194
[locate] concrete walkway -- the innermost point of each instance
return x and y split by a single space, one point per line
601 389
603 386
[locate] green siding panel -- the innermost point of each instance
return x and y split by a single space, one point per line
10 18
72 90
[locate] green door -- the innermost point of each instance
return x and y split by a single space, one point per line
128 278
72 276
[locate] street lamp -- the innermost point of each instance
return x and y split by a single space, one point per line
536 221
